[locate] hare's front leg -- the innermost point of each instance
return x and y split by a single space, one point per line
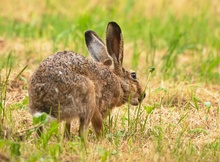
97 122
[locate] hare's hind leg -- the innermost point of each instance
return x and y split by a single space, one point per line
39 131
85 102
84 123
67 130
85 117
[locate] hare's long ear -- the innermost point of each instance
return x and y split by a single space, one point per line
114 42
96 48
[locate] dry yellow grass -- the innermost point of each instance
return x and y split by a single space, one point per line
175 113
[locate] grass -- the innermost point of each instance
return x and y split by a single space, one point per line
178 120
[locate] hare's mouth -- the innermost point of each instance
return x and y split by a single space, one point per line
137 100
134 101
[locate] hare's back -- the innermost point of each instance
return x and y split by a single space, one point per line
58 81
60 68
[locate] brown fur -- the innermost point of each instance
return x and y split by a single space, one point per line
68 85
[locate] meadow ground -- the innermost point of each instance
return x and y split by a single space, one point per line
179 120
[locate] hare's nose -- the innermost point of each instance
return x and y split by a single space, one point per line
142 97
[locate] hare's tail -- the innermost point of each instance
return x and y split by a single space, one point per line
49 118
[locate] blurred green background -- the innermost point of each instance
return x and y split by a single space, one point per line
180 38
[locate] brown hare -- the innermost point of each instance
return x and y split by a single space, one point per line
68 85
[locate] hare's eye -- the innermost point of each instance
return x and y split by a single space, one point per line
133 75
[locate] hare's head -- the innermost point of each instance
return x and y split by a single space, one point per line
111 55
